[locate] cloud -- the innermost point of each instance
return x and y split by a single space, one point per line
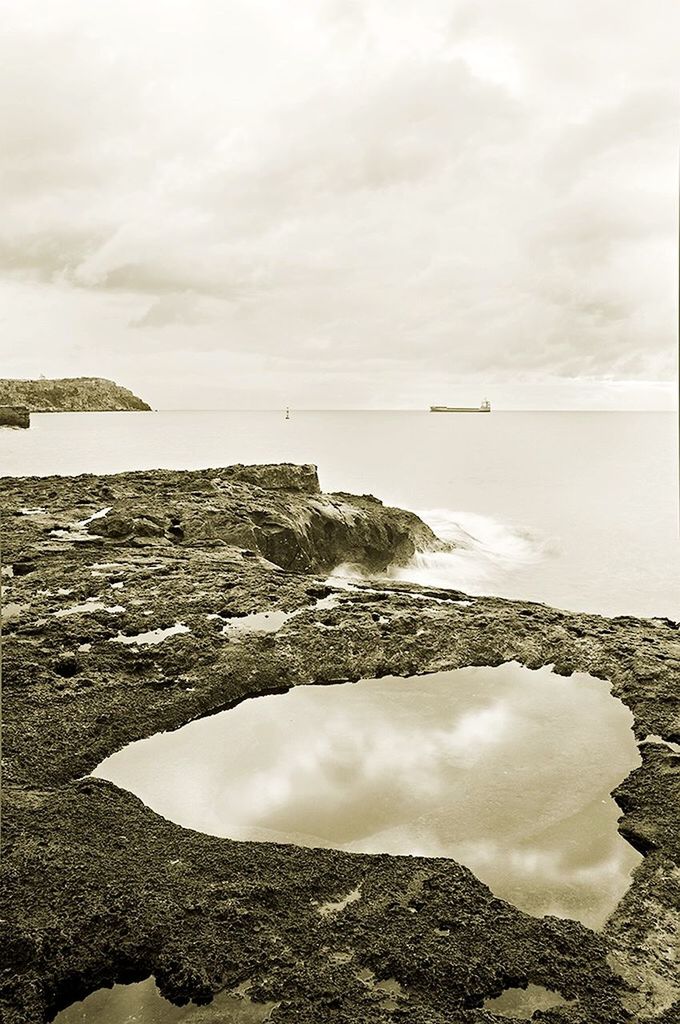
176 308
371 189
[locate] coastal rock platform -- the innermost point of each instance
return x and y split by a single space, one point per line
97 888
14 416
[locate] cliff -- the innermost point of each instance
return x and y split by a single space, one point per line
70 394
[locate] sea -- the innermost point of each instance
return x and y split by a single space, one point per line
575 509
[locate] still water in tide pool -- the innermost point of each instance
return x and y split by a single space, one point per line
142 1003
506 770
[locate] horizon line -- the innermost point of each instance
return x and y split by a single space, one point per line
422 409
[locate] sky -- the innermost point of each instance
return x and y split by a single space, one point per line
343 203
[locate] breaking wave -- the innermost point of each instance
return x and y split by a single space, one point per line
488 554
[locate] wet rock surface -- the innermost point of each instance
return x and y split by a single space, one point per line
97 888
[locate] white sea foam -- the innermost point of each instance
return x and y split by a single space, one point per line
487 553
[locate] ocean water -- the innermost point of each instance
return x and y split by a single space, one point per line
579 510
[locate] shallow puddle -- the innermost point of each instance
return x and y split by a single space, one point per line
257 622
142 1003
103 512
328 909
151 636
523 1002
506 770
88 607
11 610
272 620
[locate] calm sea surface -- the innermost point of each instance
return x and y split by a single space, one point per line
575 509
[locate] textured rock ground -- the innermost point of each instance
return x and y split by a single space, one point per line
14 416
99 888
70 394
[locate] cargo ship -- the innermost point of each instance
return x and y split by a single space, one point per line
484 407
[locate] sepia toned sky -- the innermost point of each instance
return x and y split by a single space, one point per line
342 203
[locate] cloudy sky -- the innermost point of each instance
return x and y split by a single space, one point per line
342 203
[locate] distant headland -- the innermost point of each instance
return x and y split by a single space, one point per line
70 394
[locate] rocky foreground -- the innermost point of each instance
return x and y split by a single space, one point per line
70 394
98 888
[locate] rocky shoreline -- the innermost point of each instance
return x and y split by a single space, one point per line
97 888
15 416
70 394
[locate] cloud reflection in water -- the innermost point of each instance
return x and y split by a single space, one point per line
506 770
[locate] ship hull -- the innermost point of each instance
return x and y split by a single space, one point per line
447 408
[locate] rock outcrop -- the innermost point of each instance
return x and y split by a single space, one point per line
97 888
14 416
70 394
276 511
